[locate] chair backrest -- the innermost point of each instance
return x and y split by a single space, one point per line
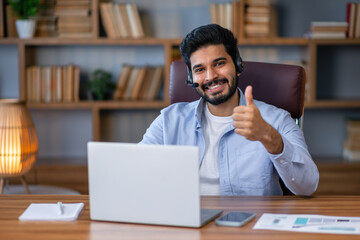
277 84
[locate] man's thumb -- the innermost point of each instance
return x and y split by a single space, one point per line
249 96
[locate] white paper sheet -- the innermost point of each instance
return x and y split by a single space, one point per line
50 212
309 223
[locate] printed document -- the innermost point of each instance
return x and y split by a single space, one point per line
309 223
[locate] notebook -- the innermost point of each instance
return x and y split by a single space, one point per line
146 184
51 212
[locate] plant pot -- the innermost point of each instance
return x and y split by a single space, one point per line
26 28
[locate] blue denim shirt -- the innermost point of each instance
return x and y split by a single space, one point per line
245 167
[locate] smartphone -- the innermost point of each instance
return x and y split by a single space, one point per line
235 219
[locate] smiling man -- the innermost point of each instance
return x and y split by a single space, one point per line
245 145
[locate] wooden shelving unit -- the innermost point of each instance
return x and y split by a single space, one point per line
25 48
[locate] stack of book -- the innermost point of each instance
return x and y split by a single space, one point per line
74 18
52 84
259 19
139 83
46 20
121 20
351 145
353 19
225 15
328 29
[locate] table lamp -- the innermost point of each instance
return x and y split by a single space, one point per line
18 141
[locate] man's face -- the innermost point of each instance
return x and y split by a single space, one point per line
213 69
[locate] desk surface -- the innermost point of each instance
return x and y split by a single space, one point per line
11 206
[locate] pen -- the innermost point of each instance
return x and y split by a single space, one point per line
60 207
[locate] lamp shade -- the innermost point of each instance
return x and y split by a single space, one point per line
18 139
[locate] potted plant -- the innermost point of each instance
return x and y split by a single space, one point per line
26 11
100 85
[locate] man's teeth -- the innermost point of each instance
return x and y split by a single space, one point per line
214 86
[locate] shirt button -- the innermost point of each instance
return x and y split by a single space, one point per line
282 161
293 179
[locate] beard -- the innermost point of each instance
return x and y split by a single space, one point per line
218 98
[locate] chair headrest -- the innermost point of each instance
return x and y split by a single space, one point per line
277 84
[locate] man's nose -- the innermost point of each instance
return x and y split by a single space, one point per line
210 74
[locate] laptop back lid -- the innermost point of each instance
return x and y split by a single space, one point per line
147 184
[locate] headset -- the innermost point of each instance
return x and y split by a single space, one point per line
239 67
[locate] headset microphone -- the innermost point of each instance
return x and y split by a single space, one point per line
193 85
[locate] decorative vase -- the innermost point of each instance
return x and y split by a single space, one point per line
26 28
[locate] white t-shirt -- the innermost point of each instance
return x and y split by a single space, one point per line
214 127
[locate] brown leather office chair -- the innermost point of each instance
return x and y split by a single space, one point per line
277 84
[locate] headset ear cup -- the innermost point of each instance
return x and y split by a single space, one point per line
239 62
189 79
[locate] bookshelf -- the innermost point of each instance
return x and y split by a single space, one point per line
30 50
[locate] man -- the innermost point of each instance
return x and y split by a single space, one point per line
245 145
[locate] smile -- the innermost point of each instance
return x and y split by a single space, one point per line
214 84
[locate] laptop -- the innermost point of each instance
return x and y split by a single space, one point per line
146 184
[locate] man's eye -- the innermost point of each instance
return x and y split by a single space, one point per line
220 63
198 70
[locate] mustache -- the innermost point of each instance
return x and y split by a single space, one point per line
215 81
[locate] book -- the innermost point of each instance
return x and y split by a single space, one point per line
213 13
74 29
106 19
125 18
58 84
29 85
69 83
76 83
122 82
36 83
120 21
146 83
131 83
156 81
46 88
351 144
113 21
138 83
357 22
72 2
134 20
72 12
350 17
333 35
75 34
138 22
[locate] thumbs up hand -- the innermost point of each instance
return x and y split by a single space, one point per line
249 123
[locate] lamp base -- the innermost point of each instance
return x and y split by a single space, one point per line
23 181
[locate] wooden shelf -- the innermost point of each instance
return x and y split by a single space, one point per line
150 41
100 105
346 41
333 104
90 41
7 41
273 41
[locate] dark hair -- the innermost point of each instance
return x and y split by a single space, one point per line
211 34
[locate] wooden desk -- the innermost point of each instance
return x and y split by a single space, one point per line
11 206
